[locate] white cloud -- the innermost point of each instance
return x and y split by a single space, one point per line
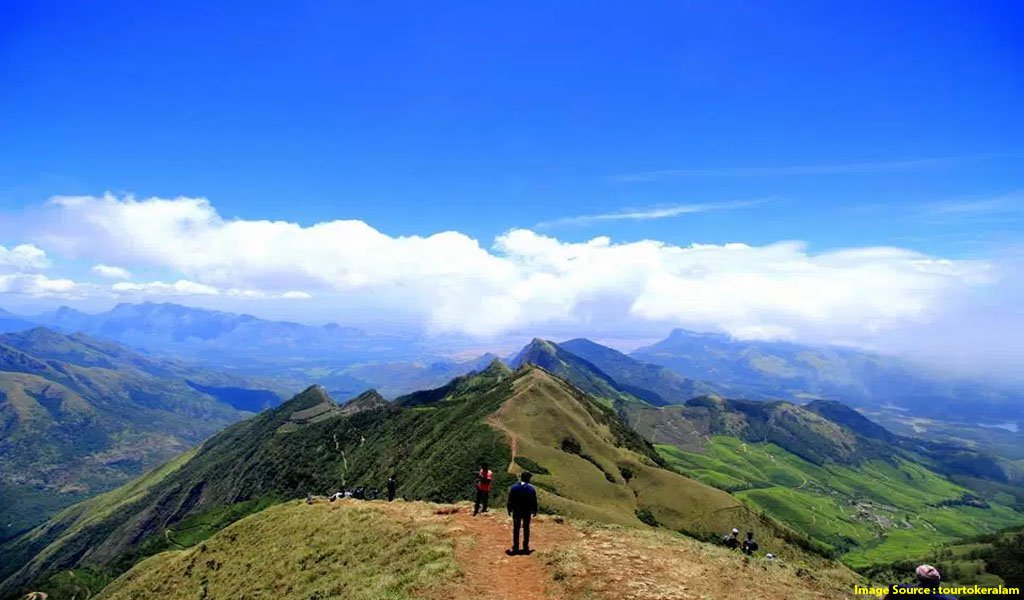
185 288
109 272
295 295
36 285
452 284
25 257
181 287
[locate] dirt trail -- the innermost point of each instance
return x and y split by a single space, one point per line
491 574
513 442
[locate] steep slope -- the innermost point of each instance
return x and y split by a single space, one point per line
433 440
832 474
434 551
577 371
594 467
656 384
781 370
79 416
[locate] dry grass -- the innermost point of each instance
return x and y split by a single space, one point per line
629 564
293 551
375 550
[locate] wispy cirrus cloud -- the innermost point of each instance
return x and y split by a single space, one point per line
650 213
851 168
1012 202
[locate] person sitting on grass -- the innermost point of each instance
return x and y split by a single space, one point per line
522 507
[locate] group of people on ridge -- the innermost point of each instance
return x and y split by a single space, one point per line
928 577
521 506
748 546
361 493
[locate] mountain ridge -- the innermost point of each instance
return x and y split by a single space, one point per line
80 415
595 467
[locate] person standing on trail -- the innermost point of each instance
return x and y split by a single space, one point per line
731 541
749 545
484 477
392 486
522 507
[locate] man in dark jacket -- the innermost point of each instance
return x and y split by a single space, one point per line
732 541
392 486
522 507
749 545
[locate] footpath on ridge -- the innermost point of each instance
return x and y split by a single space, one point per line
577 560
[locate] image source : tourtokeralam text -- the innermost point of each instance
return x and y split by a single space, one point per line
957 590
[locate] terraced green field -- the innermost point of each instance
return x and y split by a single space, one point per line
876 513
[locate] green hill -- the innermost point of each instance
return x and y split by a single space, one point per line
80 416
867 494
589 465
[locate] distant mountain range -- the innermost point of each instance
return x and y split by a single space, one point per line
166 328
777 370
346 360
80 415
686 364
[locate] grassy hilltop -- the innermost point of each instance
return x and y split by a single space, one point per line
400 551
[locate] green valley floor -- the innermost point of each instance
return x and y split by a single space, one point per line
876 513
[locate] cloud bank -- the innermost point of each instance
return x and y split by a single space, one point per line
450 283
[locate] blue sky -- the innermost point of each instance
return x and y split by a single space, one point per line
483 116
843 125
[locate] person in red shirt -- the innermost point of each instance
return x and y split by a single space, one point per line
483 489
